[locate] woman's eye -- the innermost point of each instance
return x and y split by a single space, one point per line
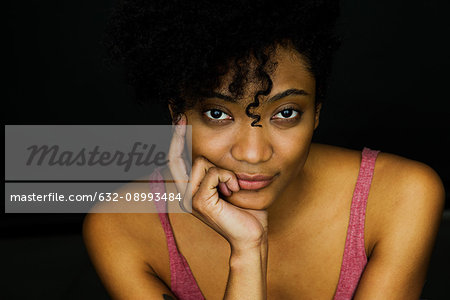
287 114
215 114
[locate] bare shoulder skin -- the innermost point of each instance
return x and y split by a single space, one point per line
404 219
126 249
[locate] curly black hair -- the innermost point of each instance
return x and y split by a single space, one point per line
176 51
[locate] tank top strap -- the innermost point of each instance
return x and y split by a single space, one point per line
157 185
182 281
362 188
355 258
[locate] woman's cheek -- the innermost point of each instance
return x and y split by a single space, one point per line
208 145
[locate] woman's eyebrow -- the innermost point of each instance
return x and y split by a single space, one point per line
272 99
287 93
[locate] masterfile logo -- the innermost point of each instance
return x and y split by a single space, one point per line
78 168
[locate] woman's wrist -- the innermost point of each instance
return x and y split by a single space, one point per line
243 257
243 248
251 253
248 269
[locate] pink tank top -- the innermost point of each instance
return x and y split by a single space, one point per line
183 283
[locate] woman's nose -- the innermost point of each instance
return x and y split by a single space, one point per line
252 145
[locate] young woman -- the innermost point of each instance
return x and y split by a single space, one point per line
275 216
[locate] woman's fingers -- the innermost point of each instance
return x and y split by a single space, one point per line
177 163
201 178
224 189
199 170
237 225
206 197
206 180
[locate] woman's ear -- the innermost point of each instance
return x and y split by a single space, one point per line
317 114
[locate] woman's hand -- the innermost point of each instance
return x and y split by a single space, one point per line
242 228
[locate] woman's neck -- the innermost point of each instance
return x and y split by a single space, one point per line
288 208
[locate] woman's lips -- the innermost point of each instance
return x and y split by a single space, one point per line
254 182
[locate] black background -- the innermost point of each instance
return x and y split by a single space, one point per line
389 92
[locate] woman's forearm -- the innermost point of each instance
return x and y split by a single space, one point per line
247 276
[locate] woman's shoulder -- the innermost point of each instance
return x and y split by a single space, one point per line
139 236
398 183
404 210
400 186
404 194
399 171
410 192
128 250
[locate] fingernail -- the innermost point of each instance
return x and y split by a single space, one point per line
224 189
182 120
180 125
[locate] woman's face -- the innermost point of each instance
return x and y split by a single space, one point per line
221 130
